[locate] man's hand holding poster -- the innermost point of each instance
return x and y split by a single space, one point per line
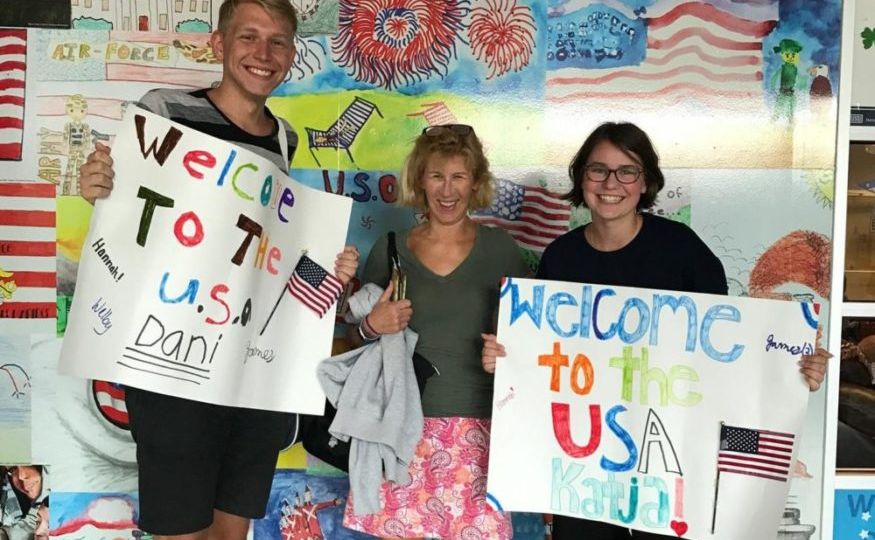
207 274
674 413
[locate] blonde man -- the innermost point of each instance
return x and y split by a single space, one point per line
206 470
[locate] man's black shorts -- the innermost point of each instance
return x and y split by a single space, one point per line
193 457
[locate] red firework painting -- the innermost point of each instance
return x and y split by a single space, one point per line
502 35
392 43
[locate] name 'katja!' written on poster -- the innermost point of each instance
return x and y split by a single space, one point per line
183 278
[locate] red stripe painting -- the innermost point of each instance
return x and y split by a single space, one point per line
28 274
27 189
35 279
13 53
17 248
28 218
28 310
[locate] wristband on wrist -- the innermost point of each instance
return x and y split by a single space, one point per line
367 331
362 334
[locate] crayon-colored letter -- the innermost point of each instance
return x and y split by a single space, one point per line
152 199
252 229
198 157
167 145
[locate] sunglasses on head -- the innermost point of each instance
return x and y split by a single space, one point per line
458 129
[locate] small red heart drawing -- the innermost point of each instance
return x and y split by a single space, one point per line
679 527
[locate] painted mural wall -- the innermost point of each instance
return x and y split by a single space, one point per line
739 97
854 509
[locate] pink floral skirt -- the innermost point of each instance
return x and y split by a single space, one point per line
446 496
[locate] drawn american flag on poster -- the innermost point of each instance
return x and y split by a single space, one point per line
668 50
755 452
27 250
13 49
533 216
314 286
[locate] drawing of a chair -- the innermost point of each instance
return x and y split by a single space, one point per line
436 113
344 130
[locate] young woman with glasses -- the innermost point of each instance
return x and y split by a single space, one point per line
453 271
616 175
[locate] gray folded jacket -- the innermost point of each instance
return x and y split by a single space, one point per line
378 405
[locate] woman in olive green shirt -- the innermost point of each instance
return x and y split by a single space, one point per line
454 268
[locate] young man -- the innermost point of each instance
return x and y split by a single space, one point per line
205 470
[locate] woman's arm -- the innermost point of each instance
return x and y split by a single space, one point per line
492 350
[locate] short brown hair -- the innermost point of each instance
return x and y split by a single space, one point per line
283 8
447 143
633 142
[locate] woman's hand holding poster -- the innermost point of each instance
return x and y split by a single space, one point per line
674 413
207 274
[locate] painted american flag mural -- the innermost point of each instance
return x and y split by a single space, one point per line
534 216
666 51
13 49
27 251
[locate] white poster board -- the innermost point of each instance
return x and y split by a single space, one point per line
183 282
610 402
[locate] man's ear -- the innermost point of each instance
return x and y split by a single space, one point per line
217 43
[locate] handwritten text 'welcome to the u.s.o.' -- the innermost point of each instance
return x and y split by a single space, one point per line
244 180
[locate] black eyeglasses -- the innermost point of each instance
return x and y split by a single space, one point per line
458 129
627 174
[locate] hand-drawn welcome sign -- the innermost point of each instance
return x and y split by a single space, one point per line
618 404
182 268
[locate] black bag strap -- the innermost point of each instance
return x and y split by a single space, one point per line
392 253
396 274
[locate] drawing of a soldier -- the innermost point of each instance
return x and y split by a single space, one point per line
77 139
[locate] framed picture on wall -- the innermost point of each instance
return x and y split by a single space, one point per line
860 236
855 442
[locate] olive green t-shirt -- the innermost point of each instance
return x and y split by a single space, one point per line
450 313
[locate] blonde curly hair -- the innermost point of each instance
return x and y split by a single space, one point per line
447 141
